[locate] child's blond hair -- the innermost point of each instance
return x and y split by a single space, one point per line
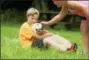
32 11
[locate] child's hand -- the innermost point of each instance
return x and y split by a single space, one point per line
47 34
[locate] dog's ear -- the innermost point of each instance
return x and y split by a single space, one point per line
33 28
42 25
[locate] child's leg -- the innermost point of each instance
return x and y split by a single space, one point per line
63 41
53 43
84 31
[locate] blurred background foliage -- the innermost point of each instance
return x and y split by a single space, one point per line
15 10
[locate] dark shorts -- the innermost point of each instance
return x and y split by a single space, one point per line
37 44
83 18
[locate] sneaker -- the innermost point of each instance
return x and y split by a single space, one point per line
73 48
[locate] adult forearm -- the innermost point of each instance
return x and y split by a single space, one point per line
56 19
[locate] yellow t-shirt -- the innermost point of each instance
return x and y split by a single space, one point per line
26 35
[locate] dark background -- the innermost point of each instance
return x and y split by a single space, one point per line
15 10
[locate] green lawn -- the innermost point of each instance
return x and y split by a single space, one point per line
10 48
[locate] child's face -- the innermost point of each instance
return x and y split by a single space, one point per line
58 3
33 18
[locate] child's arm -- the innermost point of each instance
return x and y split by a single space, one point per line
45 33
41 36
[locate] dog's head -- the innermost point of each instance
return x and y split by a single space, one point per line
37 27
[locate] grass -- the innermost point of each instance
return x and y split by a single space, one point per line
10 48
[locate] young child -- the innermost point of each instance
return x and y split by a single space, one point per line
80 8
29 38
26 34
53 40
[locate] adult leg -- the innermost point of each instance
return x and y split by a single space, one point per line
85 37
